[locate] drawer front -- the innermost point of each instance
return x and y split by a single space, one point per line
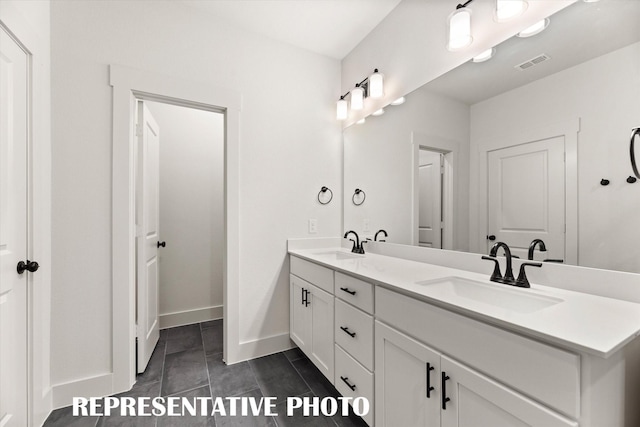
546 373
354 291
353 380
354 333
315 274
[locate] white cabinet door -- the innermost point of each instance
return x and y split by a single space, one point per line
321 353
472 400
407 381
13 231
526 196
300 314
147 241
311 323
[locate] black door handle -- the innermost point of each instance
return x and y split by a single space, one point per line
30 266
430 388
445 399
162 244
491 237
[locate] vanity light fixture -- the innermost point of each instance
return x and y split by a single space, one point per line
372 86
484 56
342 109
378 113
398 101
361 121
536 28
460 27
507 9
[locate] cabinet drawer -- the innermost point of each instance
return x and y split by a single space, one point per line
353 380
354 291
315 274
354 333
546 373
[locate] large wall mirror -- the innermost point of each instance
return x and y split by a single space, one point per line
514 148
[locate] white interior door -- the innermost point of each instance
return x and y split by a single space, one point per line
13 232
430 199
526 197
147 230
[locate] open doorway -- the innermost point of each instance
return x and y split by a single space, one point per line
179 219
130 85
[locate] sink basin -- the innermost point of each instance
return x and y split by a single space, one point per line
471 293
338 255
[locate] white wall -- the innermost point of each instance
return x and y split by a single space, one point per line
409 45
191 213
29 22
290 146
604 94
379 159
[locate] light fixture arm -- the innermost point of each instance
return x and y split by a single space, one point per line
465 4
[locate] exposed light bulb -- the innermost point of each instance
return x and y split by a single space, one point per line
398 101
484 56
342 109
376 85
357 98
507 9
459 29
378 112
536 28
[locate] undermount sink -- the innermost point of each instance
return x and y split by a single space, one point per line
469 292
338 255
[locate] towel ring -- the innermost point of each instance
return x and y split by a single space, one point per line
324 190
357 193
632 154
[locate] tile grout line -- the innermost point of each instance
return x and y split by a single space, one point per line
260 388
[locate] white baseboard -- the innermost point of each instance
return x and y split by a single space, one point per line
98 386
170 320
276 343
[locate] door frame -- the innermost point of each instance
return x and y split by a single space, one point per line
449 149
129 85
569 131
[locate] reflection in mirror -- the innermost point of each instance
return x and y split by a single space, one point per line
524 140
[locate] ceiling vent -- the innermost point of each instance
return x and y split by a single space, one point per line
533 61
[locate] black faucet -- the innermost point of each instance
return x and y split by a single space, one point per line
357 246
532 247
508 273
375 238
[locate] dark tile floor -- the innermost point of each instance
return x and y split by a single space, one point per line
188 362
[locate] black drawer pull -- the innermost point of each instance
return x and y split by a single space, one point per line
348 332
346 381
445 399
430 388
349 291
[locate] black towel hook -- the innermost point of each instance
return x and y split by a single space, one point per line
632 154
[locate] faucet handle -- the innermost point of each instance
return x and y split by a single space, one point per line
522 281
355 248
362 245
496 276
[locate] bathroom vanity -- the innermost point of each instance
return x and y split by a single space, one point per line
430 345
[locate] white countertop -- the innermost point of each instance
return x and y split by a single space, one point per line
582 322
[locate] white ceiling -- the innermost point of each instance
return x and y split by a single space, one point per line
328 27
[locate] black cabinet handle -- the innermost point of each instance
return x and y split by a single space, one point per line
445 399
346 381
346 331
305 297
430 388
162 244
349 291
30 266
